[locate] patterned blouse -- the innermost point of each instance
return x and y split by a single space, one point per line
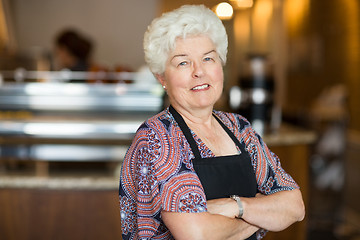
157 173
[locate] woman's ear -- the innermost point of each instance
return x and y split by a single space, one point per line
161 79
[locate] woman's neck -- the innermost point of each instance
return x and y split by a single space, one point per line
196 116
207 128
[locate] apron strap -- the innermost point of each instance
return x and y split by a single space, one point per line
185 129
229 132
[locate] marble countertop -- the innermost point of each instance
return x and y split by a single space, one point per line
290 135
60 183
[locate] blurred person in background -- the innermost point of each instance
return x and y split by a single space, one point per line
73 51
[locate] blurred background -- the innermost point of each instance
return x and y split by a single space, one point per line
74 88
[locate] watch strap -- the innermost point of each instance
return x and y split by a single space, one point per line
239 203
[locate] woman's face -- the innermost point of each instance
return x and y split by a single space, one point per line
193 75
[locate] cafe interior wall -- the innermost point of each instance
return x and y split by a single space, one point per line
323 51
116 27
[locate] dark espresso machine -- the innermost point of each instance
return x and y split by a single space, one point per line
253 96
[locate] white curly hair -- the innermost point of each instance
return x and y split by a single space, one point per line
188 20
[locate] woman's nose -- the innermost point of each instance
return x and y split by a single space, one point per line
198 70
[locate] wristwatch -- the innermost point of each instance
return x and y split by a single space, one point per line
239 203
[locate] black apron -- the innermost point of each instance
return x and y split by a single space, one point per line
221 176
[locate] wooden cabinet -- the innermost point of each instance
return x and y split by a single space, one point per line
59 214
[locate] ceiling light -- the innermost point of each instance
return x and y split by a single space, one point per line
224 11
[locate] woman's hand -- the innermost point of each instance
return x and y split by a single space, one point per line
223 206
260 195
274 212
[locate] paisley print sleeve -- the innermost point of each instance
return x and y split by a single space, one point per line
270 174
139 189
156 175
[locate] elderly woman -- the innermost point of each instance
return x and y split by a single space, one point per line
193 172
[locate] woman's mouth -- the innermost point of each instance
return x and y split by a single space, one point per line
201 87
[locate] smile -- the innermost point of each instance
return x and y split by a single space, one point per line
200 87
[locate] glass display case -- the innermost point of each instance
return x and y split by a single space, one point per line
58 121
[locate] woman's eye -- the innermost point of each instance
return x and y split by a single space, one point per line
182 63
207 59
